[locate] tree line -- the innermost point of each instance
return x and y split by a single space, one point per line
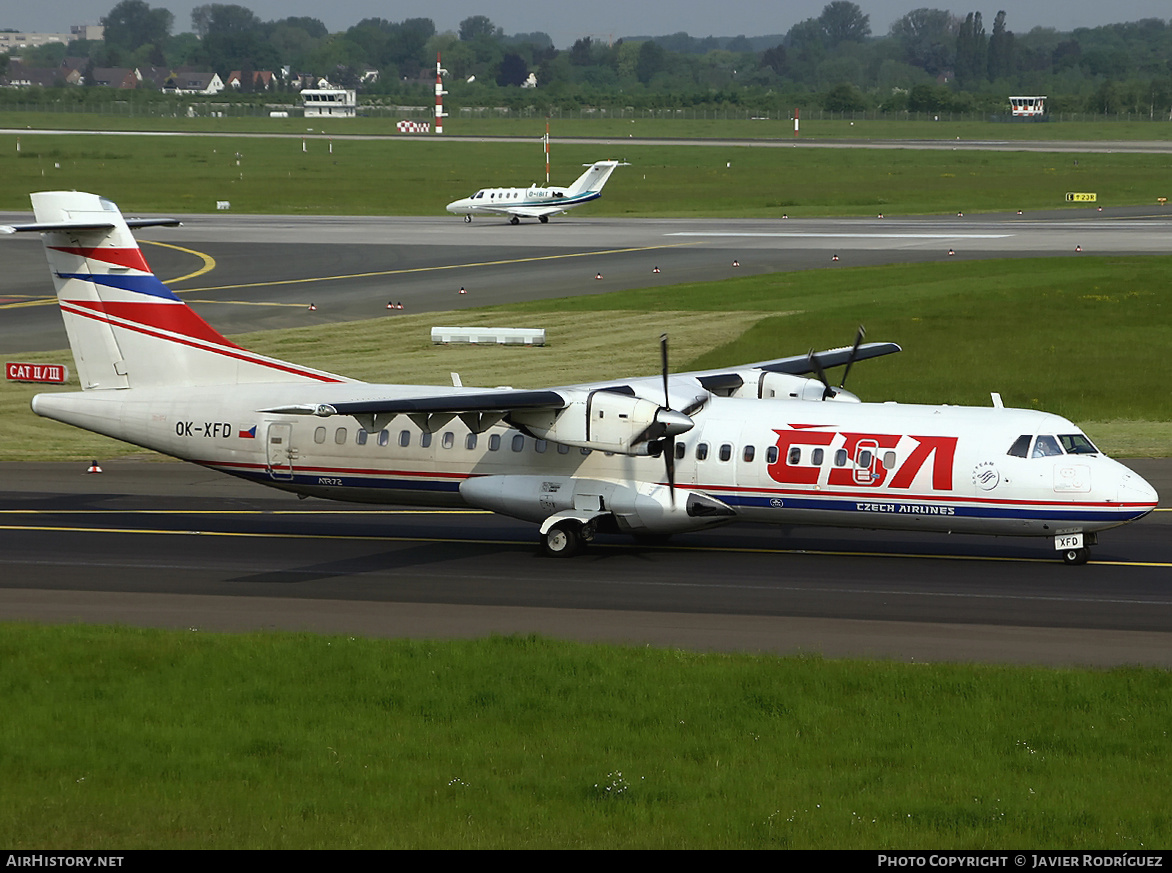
928 60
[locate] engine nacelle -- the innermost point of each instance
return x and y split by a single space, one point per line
608 421
765 385
636 507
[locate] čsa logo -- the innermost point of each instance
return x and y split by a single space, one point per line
859 458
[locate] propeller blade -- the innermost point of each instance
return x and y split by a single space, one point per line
669 451
854 351
669 462
663 357
827 391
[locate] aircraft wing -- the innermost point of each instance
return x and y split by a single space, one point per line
534 211
455 403
524 211
478 409
801 365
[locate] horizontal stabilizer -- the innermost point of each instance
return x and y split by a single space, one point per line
68 226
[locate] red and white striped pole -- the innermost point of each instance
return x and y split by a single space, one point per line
547 153
439 96
795 122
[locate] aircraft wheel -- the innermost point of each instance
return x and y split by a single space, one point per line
467 219
514 220
544 219
1076 557
563 540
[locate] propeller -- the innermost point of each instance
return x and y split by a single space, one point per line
854 351
669 450
827 391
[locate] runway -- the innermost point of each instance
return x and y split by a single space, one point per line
172 545
244 273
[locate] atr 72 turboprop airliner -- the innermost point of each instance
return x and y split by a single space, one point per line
647 456
534 202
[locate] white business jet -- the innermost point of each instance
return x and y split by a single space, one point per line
534 202
772 442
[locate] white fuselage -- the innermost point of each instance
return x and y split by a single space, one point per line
868 465
508 201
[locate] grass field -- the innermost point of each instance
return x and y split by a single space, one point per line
149 739
190 173
1047 333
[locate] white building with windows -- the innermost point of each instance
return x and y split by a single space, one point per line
329 102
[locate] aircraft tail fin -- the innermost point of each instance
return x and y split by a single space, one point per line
594 178
126 328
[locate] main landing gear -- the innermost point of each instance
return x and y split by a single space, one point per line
468 219
1076 557
566 539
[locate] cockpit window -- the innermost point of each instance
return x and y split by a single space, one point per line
1045 446
1020 447
1077 444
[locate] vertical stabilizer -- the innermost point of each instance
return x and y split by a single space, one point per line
126 328
594 178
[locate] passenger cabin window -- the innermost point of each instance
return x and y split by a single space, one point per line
701 451
795 456
518 442
448 440
889 460
384 438
1020 447
404 438
1045 446
771 454
319 435
340 436
816 457
681 449
361 436
749 453
494 442
725 451
470 441
424 440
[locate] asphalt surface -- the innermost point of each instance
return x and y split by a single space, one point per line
173 545
244 272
